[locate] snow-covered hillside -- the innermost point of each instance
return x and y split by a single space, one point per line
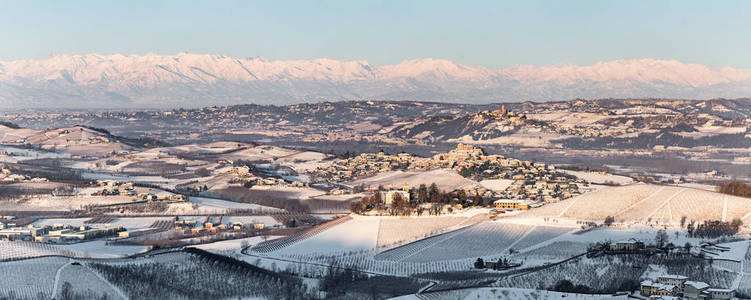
198 80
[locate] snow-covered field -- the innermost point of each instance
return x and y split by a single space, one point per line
232 246
74 222
396 230
506 293
85 282
129 223
360 233
99 249
599 178
445 179
29 279
267 221
22 249
218 206
644 202
51 203
296 192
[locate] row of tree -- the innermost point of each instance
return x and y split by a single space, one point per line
737 188
417 196
714 229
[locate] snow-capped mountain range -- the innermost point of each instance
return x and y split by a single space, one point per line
193 80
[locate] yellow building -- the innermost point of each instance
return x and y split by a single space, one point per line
511 204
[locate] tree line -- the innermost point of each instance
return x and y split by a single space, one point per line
417 196
736 188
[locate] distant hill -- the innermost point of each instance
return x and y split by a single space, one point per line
77 140
195 80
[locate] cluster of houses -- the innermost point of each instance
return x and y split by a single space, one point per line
242 174
7 176
57 233
195 228
364 165
533 184
678 286
117 188
114 188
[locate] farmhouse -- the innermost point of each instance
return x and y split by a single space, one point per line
649 288
511 204
676 280
694 289
629 245
720 294
389 196
22 232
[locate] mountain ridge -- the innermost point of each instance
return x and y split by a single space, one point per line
194 80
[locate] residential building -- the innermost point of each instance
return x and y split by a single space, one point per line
694 289
511 204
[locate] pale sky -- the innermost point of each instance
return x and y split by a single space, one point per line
490 33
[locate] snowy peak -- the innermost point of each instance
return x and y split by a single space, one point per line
187 79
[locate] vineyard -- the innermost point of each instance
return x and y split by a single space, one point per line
197 274
163 224
599 204
15 250
100 220
85 283
278 244
394 231
30 279
540 234
487 238
607 274
644 203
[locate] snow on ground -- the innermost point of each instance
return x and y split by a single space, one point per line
445 179
232 245
568 119
341 198
131 223
218 206
28 278
599 178
711 130
100 249
20 154
126 222
360 233
706 187
52 203
24 249
83 280
737 251
74 222
525 137
299 193
267 221
655 271
506 293
640 110
496 185
645 203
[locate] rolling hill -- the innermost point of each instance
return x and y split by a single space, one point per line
646 202
75 140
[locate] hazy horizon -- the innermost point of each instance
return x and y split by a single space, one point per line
491 34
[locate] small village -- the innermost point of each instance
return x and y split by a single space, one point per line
533 183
